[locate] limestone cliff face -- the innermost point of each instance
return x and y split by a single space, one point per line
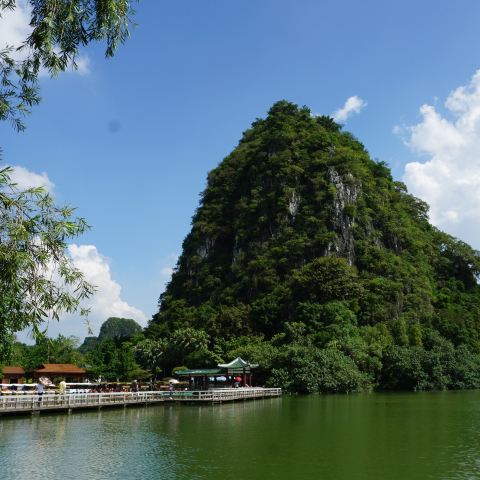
346 193
297 189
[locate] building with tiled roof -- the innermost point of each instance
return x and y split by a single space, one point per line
12 374
70 372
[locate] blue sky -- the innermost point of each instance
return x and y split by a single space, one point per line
130 140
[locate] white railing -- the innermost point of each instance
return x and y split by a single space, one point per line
228 394
231 394
74 400
13 402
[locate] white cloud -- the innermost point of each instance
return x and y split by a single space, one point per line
14 30
449 180
26 179
83 65
352 106
106 302
14 26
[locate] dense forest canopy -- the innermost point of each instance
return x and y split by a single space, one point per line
303 246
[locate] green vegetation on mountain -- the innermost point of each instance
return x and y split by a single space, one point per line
307 257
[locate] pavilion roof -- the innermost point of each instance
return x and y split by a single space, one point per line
238 363
59 368
200 372
13 370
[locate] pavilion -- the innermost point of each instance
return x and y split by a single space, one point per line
230 371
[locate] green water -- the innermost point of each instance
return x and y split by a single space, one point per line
375 436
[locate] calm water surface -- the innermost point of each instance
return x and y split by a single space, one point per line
374 436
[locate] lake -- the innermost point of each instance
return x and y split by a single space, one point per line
364 436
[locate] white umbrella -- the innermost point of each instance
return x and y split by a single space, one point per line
46 381
173 381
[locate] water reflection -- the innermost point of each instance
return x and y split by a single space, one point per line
397 436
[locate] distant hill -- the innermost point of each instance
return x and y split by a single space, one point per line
300 230
89 343
113 328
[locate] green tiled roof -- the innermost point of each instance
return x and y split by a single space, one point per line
234 367
199 372
238 363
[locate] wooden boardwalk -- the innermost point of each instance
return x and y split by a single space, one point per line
18 404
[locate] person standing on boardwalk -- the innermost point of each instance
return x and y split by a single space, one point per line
62 389
39 388
134 386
